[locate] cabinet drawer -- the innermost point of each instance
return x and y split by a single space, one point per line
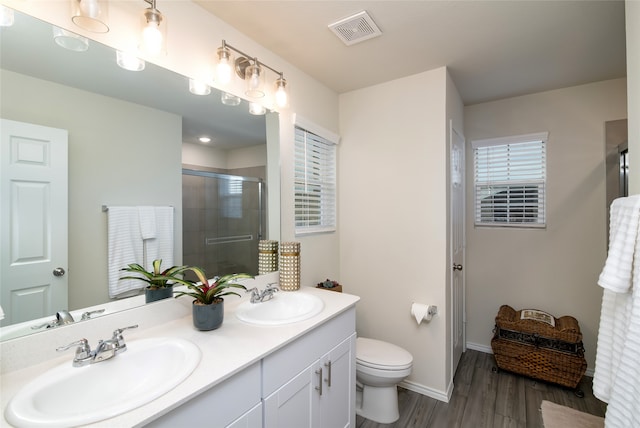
287 362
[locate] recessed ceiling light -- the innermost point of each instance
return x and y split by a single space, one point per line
204 139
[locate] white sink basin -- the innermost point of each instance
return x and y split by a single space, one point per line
70 396
285 307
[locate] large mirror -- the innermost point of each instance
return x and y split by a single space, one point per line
130 135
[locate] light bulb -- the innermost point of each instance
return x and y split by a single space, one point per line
152 39
257 109
90 8
198 87
6 16
253 78
281 95
129 61
224 70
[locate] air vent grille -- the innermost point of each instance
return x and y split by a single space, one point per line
355 29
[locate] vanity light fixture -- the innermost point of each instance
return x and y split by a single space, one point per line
229 99
6 16
68 40
154 30
129 61
257 109
198 87
90 15
251 71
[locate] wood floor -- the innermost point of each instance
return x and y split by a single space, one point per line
483 398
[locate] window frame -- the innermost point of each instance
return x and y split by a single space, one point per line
521 221
327 185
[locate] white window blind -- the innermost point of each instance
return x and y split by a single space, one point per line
509 181
315 183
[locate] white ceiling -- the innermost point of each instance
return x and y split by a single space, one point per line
494 49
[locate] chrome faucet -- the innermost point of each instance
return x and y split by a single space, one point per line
62 318
87 315
105 350
258 296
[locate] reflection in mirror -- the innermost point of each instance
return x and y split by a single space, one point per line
129 136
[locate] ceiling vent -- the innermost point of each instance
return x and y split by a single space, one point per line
355 29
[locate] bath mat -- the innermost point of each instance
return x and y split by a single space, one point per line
557 416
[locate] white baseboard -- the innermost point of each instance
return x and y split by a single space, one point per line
429 392
487 350
479 347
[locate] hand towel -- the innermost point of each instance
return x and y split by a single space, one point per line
147 219
124 247
160 247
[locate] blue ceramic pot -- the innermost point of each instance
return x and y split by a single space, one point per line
208 317
153 294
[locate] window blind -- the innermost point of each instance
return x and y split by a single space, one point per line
510 181
315 183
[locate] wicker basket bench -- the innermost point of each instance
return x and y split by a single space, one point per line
539 350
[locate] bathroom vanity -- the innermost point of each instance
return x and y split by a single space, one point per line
300 374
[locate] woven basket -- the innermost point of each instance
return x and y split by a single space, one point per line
539 350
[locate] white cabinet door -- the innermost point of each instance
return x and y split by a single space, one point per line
338 392
295 404
322 395
251 419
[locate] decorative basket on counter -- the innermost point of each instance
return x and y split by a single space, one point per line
289 266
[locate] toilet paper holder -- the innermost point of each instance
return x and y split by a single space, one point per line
423 312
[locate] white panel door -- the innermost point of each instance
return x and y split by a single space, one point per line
33 221
457 245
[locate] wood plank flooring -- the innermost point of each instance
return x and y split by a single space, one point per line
483 398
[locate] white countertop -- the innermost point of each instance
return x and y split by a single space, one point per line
225 351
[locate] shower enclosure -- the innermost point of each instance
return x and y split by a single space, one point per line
223 220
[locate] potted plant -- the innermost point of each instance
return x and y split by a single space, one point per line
208 304
160 281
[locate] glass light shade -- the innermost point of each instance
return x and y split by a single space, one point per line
69 40
224 66
90 15
128 61
229 99
281 96
197 87
7 16
257 109
154 32
254 78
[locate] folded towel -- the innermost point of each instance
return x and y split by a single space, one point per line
124 244
147 218
623 232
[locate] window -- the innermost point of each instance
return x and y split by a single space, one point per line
509 181
315 182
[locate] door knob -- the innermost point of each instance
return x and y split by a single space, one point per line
58 271
457 267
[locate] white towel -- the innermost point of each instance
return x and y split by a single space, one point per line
617 374
124 247
161 246
623 231
1 313
147 218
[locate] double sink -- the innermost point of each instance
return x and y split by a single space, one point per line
71 396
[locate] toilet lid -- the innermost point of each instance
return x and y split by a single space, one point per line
376 353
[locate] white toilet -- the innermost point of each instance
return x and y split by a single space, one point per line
380 366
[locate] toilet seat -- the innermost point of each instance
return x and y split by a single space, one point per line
381 355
